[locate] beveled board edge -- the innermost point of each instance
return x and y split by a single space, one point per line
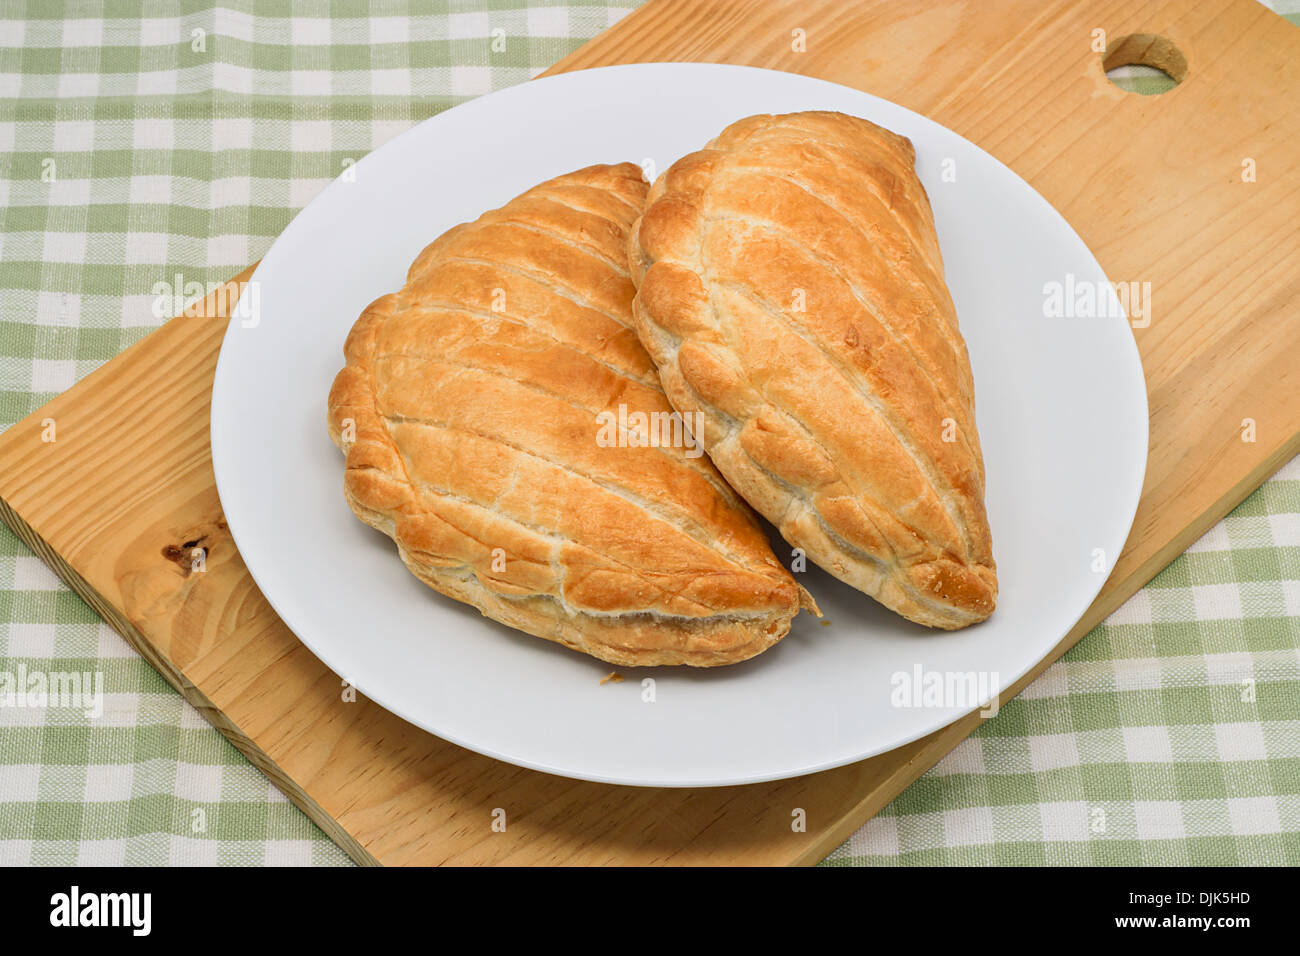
159 662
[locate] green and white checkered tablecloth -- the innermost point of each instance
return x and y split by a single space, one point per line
138 142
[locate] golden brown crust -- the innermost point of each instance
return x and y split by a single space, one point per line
790 289
468 411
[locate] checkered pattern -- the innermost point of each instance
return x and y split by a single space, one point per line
138 145
1146 80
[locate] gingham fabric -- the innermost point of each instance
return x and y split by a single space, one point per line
137 145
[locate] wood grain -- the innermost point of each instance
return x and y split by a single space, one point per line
119 502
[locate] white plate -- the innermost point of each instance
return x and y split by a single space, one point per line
1061 407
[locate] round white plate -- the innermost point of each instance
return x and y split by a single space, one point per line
1061 408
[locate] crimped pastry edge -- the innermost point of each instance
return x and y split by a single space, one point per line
711 641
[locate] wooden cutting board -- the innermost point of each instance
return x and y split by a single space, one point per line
123 500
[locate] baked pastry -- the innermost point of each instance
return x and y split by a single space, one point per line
472 408
791 292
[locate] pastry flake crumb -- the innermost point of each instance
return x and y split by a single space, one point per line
613 677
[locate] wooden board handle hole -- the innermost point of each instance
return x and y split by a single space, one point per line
1146 49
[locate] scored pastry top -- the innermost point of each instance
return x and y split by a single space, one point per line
475 397
791 291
